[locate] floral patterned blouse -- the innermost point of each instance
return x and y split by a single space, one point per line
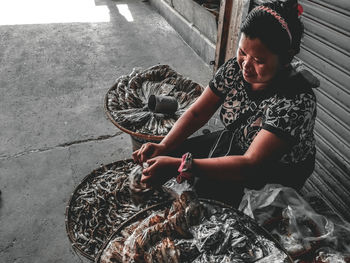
286 108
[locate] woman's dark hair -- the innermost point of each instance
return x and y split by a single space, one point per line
266 27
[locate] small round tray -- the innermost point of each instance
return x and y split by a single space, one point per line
250 226
100 203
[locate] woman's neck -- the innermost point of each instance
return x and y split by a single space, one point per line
259 86
262 86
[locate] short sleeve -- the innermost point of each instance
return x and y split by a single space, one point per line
223 81
292 119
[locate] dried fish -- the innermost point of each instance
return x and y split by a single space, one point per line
140 117
134 72
133 91
185 212
165 87
132 100
101 203
167 123
151 124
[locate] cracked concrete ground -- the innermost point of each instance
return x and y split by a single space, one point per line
53 78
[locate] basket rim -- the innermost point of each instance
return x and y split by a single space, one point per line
69 232
205 200
132 133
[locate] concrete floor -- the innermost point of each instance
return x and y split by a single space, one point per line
53 79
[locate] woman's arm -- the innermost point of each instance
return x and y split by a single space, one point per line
265 149
193 119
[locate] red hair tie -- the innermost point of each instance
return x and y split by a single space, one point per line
300 9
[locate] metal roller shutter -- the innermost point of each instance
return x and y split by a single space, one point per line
326 52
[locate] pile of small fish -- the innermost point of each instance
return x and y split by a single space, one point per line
103 201
192 231
127 99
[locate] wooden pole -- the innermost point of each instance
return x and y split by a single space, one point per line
223 31
231 15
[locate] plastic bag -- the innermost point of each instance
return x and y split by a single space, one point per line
135 180
153 237
289 218
267 203
175 189
219 234
329 255
226 236
140 193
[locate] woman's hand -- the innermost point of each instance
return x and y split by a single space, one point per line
160 170
148 151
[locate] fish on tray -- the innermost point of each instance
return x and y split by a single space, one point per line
155 239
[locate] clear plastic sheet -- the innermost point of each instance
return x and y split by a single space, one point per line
175 189
135 180
295 224
336 247
329 255
225 236
139 192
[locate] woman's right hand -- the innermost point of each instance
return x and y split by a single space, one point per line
147 151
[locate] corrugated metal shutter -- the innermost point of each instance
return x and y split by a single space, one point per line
326 52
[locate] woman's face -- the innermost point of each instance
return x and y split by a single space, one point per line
259 65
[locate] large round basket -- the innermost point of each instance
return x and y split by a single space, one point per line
128 98
100 203
246 221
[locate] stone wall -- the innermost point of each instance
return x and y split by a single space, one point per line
196 25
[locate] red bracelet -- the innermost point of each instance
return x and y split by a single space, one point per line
185 169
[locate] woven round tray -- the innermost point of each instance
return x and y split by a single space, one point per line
97 196
133 85
248 222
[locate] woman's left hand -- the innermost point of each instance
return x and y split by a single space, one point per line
160 170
